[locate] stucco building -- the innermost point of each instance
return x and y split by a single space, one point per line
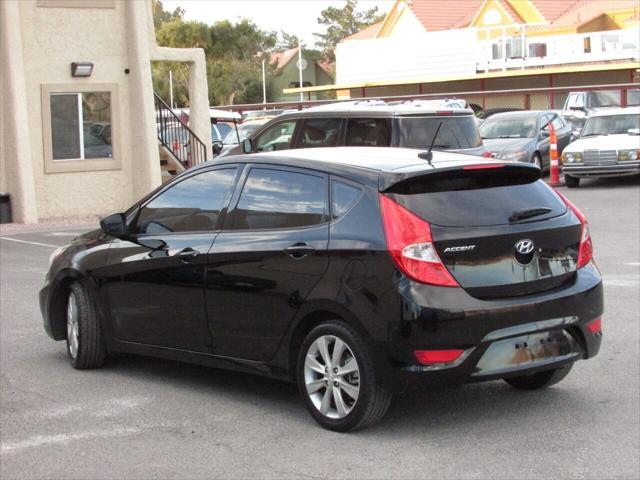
78 132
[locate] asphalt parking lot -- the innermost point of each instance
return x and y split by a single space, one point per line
143 418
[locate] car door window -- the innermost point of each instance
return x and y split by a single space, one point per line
276 137
191 205
280 199
320 132
369 132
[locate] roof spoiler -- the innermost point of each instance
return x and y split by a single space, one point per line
519 172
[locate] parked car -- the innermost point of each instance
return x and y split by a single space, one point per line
482 115
351 271
524 136
609 145
581 105
236 136
370 123
220 130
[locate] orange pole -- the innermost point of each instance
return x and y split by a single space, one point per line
553 157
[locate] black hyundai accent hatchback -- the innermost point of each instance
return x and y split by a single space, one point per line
351 271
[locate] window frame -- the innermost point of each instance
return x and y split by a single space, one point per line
111 4
81 164
133 225
240 184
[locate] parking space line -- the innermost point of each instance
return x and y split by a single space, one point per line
30 243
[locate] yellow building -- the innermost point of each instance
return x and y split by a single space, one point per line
539 48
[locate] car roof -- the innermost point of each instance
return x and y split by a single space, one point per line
385 109
377 159
616 111
377 166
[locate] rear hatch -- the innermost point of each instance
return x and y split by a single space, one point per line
501 232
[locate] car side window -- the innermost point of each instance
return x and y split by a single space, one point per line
280 199
369 132
343 197
276 137
191 205
320 132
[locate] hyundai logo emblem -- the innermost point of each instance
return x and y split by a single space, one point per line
525 247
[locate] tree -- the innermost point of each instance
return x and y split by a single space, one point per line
342 22
160 15
287 41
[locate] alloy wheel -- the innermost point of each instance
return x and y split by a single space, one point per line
332 376
72 325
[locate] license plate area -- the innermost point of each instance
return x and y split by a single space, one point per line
527 351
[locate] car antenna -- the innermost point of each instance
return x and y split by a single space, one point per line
428 155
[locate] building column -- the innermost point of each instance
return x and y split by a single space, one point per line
16 139
145 156
199 120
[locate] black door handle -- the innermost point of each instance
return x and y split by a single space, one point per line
299 250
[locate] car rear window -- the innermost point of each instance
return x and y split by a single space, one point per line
457 132
481 198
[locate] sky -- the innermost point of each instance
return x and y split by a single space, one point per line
297 17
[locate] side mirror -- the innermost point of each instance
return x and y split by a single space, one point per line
216 146
634 131
544 133
114 225
247 145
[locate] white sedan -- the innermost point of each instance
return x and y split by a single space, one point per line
609 145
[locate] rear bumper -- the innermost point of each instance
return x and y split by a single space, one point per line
500 338
614 170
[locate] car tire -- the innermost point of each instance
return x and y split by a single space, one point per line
85 344
329 394
571 182
539 380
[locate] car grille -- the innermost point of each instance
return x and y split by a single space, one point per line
600 156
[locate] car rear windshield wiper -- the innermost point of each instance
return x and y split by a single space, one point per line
528 213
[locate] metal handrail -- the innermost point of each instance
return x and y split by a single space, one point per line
176 136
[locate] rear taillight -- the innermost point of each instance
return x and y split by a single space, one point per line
431 357
585 252
409 242
595 325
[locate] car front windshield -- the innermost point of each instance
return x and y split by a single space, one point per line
603 99
509 127
455 133
610 125
243 132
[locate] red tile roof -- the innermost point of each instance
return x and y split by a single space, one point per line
437 15
282 58
586 10
370 32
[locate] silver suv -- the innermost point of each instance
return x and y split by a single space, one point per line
371 123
